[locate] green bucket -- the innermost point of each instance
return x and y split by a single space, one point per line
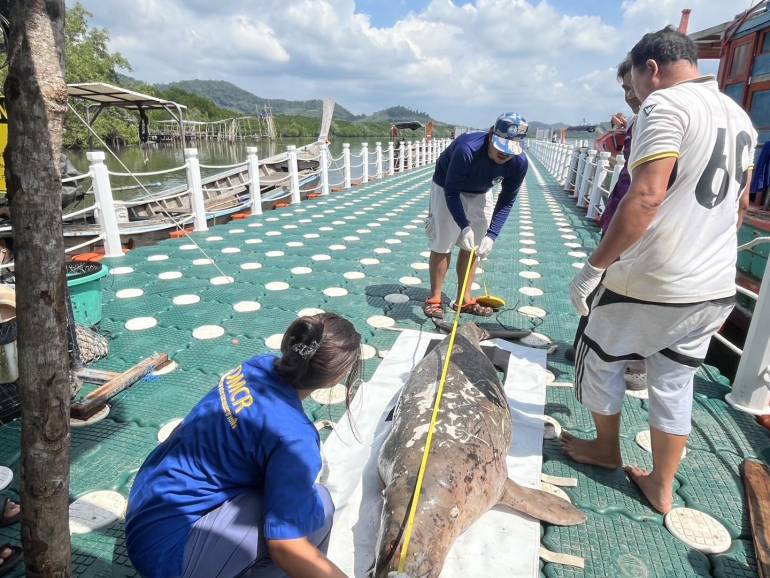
84 281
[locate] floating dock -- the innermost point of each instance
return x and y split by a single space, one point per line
362 253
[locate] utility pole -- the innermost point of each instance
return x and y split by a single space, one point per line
36 97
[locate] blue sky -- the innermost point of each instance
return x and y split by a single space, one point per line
464 62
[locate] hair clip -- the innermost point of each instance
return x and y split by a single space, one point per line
306 351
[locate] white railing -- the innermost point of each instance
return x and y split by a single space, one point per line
410 154
583 173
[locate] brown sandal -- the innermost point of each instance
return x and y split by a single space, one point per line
474 308
433 308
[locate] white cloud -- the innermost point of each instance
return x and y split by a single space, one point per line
462 62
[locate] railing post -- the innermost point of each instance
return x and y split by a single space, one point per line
574 159
401 157
378 149
579 171
365 162
620 162
105 206
588 172
196 189
346 161
409 160
751 388
291 151
564 162
391 159
255 191
602 163
416 154
324 160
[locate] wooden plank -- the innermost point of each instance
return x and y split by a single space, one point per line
90 375
756 480
95 400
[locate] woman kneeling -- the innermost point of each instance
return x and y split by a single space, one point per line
232 492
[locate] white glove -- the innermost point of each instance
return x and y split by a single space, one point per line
583 285
467 240
485 247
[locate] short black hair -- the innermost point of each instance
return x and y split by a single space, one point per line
624 67
664 47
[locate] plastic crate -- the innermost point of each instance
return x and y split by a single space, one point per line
84 281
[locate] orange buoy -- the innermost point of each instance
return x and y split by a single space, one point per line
88 257
281 205
179 233
240 216
313 195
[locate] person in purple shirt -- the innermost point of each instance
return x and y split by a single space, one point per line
624 180
462 211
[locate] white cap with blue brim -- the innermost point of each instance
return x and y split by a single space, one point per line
507 133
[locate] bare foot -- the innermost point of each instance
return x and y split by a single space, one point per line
659 496
590 452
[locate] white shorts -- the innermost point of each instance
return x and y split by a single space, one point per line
441 228
671 338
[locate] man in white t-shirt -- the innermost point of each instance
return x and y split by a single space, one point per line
669 257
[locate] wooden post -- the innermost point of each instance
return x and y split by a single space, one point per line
255 191
36 98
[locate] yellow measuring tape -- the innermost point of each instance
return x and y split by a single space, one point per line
433 419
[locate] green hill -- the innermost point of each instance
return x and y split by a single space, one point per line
227 95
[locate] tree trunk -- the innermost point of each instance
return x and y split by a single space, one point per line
36 97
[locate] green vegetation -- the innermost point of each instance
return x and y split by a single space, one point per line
303 126
90 60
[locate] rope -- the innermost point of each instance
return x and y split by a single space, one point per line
433 419
233 166
134 175
77 178
147 192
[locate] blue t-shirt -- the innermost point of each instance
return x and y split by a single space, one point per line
249 432
465 167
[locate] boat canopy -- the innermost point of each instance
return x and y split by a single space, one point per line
410 124
100 95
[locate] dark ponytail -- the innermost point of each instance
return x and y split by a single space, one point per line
319 349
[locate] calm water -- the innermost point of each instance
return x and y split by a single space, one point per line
151 157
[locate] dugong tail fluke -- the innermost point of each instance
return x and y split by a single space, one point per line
466 474
486 333
540 505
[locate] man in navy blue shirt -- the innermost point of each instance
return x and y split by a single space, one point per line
462 211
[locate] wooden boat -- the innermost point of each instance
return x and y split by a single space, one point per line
148 217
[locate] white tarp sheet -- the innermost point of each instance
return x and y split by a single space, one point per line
502 542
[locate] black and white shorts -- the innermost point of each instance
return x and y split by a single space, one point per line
671 338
